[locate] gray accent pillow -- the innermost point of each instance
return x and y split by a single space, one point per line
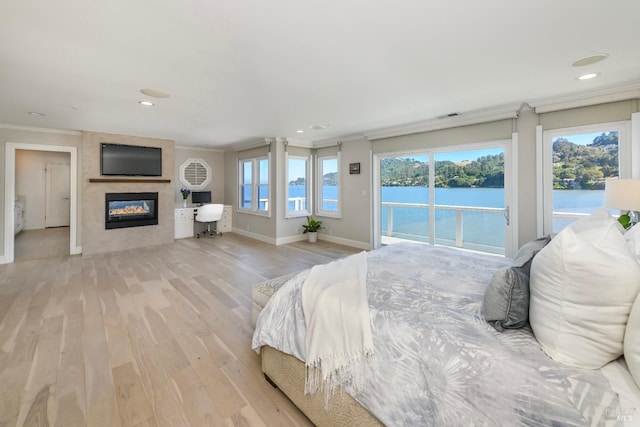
506 300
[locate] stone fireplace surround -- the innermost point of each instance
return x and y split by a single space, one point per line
95 237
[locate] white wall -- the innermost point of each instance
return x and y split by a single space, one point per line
30 183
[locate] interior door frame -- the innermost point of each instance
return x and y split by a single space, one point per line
10 194
510 147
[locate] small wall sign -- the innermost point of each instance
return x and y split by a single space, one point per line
354 168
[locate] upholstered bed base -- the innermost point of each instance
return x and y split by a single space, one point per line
288 374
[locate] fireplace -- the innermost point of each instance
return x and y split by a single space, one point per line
130 210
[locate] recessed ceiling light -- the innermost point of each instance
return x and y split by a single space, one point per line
299 131
146 103
154 93
35 113
318 127
589 60
588 76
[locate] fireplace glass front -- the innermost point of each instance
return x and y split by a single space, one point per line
130 210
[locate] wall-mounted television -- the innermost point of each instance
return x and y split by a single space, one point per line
130 160
201 197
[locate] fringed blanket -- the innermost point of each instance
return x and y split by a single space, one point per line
338 342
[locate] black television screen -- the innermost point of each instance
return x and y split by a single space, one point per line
130 160
201 197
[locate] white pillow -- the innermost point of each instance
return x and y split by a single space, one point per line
582 286
632 341
632 236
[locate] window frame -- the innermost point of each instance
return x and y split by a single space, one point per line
308 184
254 186
510 147
544 140
186 182
320 188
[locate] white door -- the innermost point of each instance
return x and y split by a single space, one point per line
57 195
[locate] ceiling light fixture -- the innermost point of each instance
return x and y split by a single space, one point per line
590 60
35 113
318 127
588 76
154 93
299 131
146 103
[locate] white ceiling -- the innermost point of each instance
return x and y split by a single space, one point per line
238 71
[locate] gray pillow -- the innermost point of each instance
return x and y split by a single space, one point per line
506 300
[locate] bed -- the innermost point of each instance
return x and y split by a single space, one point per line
437 361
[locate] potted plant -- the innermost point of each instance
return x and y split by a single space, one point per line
311 227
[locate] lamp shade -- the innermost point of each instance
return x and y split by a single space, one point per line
623 194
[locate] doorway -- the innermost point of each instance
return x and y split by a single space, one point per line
11 195
458 196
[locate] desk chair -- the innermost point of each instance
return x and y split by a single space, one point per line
209 214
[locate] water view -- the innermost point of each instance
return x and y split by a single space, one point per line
482 230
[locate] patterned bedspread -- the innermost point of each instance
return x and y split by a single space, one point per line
437 362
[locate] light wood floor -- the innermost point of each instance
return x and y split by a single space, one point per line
34 244
154 336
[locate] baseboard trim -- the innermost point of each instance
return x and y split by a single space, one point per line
301 237
346 242
76 251
291 239
255 236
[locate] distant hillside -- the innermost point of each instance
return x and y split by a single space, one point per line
575 167
486 171
585 166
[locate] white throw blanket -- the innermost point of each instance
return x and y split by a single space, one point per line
339 344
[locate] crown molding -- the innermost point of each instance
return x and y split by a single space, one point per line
612 94
198 148
335 141
464 119
43 130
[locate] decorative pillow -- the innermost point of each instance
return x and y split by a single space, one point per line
583 284
506 300
632 236
632 341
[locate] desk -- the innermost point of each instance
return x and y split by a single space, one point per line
185 221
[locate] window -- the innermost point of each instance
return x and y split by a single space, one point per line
254 186
195 174
298 186
577 161
328 179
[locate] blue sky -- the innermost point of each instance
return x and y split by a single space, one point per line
459 156
581 139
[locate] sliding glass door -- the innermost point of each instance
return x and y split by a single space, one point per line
470 199
454 198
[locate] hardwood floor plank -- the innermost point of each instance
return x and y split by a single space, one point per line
156 336
102 408
198 406
132 401
69 403
159 389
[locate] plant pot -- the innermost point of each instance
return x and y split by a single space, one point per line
312 237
